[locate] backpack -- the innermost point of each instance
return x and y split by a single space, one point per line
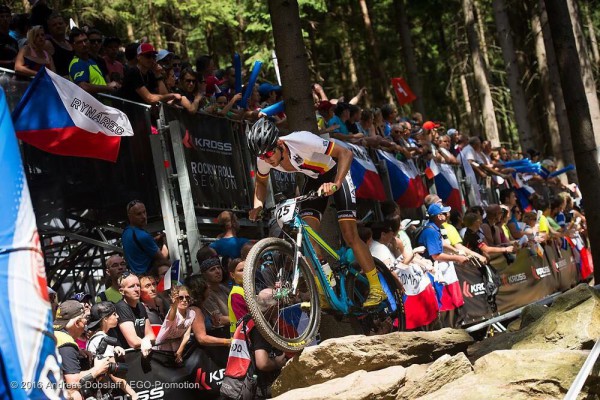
491 281
415 234
240 381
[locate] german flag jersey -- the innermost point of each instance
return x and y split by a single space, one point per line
309 154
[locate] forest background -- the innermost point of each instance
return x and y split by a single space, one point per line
485 67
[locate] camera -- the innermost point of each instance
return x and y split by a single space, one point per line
114 368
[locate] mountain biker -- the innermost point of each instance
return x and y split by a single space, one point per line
328 167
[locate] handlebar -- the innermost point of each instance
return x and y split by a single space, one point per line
305 197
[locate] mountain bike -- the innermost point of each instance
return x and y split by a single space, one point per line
283 278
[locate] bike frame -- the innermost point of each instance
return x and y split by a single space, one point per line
304 248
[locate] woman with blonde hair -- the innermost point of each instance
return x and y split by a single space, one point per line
32 57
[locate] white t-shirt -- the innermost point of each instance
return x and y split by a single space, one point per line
309 154
382 253
470 154
94 342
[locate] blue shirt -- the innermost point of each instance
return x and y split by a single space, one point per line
387 130
431 238
335 120
138 254
229 247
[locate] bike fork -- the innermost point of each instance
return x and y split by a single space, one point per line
297 255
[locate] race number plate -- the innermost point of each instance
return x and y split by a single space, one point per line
284 212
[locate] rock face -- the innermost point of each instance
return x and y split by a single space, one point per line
442 371
518 374
572 322
336 358
360 385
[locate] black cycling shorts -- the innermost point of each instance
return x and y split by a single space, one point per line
344 198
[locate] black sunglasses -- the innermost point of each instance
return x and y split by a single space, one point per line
186 298
97 41
125 275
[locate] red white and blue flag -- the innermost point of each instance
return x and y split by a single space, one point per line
523 192
29 367
451 294
420 302
446 184
364 173
57 116
408 188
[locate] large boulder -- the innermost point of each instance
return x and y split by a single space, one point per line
360 385
336 358
519 374
572 322
442 371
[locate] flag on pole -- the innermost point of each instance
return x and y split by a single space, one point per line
28 354
408 188
403 92
57 116
170 277
446 185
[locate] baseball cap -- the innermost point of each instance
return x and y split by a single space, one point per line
99 311
451 132
436 209
430 125
68 310
162 54
146 48
266 88
82 297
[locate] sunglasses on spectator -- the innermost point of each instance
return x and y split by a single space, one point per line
81 41
132 203
267 154
125 275
190 81
186 298
175 65
96 41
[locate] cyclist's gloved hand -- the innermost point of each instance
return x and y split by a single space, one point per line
255 214
327 189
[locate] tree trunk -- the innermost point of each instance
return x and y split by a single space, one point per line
592 33
480 74
408 54
481 32
293 65
580 120
471 118
154 27
348 56
586 69
381 87
513 73
557 93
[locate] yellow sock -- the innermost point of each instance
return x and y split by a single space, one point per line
373 279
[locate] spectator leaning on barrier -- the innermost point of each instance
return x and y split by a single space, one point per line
216 303
134 330
83 70
8 46
115 266
144 82
475 240
431 236
70 324
96 38
115 70
155 306
32 57
141 250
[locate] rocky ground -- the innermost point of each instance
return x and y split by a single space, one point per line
538 358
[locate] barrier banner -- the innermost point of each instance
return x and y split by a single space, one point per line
215 161
527 279
407 186
563 265
476 307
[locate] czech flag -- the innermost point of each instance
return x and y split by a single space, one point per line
364 173
420 303
57 116
446 185
28 354
172 275
523 193
451 294
408 188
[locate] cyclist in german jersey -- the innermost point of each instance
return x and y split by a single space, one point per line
328 167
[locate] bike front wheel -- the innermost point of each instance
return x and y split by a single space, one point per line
282 298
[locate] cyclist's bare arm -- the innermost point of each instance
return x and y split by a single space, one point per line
343 157
260 193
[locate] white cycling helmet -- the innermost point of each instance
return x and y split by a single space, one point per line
262 136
